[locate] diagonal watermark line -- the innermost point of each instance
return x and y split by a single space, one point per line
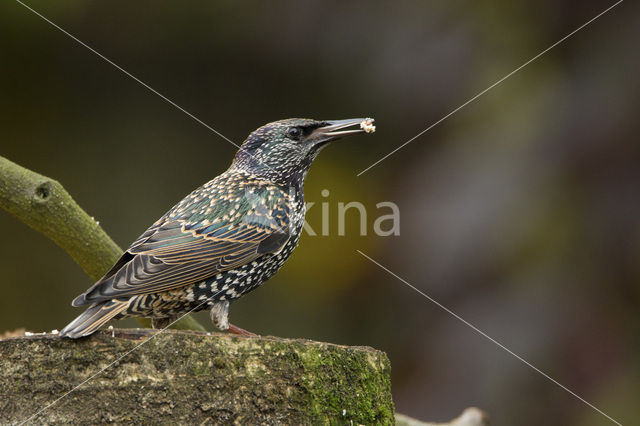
51 404
490 87
142 83
482 333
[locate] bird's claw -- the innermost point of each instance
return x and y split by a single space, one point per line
241 331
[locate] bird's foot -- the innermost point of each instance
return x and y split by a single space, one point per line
220 317
241 331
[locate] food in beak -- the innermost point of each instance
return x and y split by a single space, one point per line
367 125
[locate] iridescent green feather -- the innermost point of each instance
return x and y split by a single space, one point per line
216 228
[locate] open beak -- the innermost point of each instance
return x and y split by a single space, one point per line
335 129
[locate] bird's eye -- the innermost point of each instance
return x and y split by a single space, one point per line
294 133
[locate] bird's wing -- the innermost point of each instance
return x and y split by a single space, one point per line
197 239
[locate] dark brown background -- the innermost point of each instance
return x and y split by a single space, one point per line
520 212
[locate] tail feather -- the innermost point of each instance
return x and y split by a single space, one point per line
94 317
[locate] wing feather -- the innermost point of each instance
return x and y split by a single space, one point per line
186 246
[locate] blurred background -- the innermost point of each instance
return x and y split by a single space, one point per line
521 212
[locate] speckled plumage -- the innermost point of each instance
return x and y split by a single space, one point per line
221 241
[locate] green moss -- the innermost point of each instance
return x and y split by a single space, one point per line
343 383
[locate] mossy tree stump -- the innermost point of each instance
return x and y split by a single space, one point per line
191 377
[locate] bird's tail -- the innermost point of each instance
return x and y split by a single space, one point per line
94 317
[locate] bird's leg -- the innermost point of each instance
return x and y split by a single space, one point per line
161 323
220 316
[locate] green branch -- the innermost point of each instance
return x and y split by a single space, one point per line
44 205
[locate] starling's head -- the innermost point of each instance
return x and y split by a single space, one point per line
284 150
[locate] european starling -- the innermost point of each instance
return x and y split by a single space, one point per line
221 241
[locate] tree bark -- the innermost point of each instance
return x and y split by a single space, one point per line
191 377
44 205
